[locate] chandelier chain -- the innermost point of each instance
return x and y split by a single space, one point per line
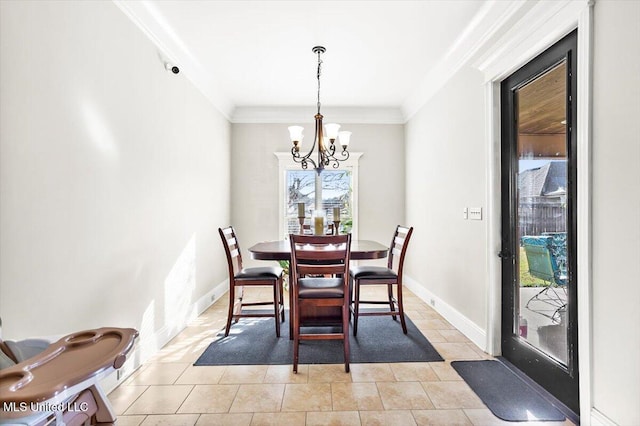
319 73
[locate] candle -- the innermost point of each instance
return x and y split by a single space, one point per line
300 209
336 214
318 224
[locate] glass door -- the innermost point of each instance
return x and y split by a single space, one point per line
539 326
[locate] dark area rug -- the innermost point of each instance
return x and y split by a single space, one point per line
508 396
253 341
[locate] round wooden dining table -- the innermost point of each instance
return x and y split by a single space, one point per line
281 250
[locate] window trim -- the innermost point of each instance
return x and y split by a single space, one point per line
285 162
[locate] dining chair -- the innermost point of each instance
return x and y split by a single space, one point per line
546 257
320 268
240 277
390 275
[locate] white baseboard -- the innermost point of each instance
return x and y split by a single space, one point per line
148 346
599 419
467 327
210 298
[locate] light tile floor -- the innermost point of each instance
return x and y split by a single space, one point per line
169 390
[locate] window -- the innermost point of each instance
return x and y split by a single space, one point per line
335 187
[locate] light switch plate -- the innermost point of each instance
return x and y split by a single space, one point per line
475 213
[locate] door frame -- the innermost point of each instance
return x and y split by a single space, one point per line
534 33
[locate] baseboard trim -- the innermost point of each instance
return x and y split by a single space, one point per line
148 346
467 327
599 419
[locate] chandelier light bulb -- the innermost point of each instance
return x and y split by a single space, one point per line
332 131
344 137
295 133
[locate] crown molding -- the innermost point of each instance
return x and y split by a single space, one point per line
172 49
482 41
486 26
544 24
288 115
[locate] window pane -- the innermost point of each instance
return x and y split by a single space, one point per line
300 189
542 287
336 192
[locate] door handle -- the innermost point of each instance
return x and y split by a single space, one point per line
505 254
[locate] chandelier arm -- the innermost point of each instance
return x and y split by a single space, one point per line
295 153
335 161
303 160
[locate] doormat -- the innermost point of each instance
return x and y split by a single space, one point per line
508 396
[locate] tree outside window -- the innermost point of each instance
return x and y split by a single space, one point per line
333 187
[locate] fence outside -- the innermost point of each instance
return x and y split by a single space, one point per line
536 218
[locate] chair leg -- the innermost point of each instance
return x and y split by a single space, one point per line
239 290
296 339
291 307
351 291
401 309
390 295
345 335
276 306
232 302
555 301
356 307
280 284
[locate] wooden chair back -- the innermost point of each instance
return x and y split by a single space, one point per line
231 249
398 248
320 255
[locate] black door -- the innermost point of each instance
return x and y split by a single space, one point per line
539 309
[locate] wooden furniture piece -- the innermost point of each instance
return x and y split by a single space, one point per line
240 277
281 250
320 268
61 384
391 275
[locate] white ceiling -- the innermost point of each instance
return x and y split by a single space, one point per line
255 54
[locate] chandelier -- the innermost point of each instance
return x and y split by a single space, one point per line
326 151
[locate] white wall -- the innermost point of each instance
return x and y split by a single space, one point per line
254 179
616 206
445 171
114 175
